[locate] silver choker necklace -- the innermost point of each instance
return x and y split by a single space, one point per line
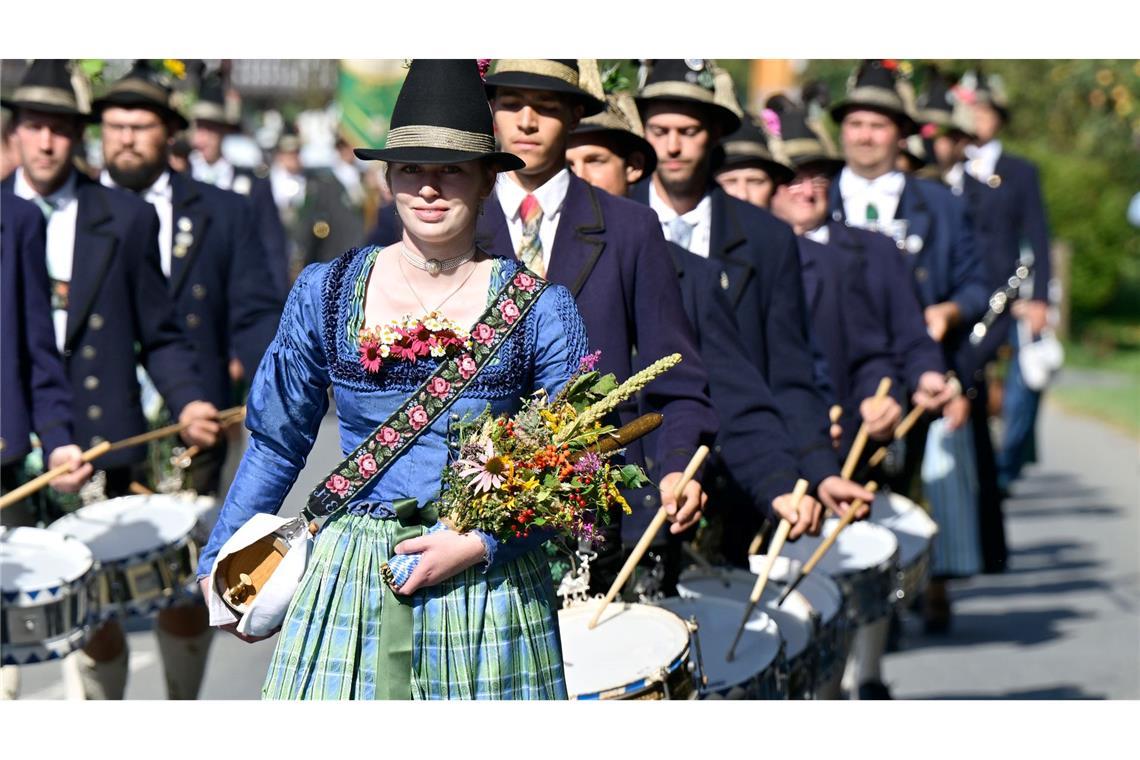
435 266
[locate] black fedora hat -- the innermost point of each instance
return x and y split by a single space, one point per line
689 80
800 144
940 106
441 116
874 86
211 103
46 86
620 121
990 91
141 87
750 146
555 75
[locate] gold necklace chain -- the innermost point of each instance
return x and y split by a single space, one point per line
416 295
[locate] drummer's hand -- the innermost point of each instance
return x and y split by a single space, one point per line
204 427
957 412
808 518
442 555
204 584
80 470
838 494
881 415
933 391
685 512
1036 313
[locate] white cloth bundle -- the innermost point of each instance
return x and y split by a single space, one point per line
267 611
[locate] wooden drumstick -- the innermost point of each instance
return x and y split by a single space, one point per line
139 489
650 533
226 417
774 549
910 421
861 436
37 483
844 521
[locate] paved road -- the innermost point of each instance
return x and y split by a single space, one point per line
1063 622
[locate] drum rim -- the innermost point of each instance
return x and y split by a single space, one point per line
61 525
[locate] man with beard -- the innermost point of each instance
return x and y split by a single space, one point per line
109 295
218 280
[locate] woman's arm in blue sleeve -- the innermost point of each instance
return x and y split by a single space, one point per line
287 400
560 344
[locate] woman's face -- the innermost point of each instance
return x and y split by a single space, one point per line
438 203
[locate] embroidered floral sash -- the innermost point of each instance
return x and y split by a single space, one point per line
435 396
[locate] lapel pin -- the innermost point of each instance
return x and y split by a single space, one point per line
724 280
914 243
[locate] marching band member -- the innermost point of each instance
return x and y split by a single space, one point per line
755 252
754 470
109 295
611 254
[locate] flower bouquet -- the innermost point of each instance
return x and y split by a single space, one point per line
548 467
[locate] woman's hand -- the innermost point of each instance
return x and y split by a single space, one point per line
442 555
204 584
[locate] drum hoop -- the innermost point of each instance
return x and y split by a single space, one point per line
642 685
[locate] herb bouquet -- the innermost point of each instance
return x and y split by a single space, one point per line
540 468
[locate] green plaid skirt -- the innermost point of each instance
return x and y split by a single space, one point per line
477 635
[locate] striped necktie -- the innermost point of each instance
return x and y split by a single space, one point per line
530 246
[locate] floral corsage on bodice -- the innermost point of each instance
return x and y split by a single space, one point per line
411 339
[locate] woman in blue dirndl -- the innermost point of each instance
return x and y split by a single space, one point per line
474 619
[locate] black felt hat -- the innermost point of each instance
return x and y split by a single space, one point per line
142 87
442 117
875 87
46 86
621 122
940 106
689 80
990 91
555 75
800 144
211 103
749 146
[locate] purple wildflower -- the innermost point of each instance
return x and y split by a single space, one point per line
588 464
589 362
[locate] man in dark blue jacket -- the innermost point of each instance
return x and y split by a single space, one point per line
212 120
756 254
610 253
111 309
33 382
754 470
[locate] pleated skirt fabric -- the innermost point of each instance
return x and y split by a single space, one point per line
478 635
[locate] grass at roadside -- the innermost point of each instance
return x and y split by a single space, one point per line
1113 398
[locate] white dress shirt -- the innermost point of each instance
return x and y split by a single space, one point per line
884 191
981 160
220 174
956 179
161 196
288 188
349 177
63 205
820 234
699 219
550 196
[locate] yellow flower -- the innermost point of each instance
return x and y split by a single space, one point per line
175 67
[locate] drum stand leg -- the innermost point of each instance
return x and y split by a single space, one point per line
95 680
9 682
183 661
864 665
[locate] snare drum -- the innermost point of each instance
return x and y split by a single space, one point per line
796 620
47 583
863 561
758 669
833 630
635 652
915 531
147 556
